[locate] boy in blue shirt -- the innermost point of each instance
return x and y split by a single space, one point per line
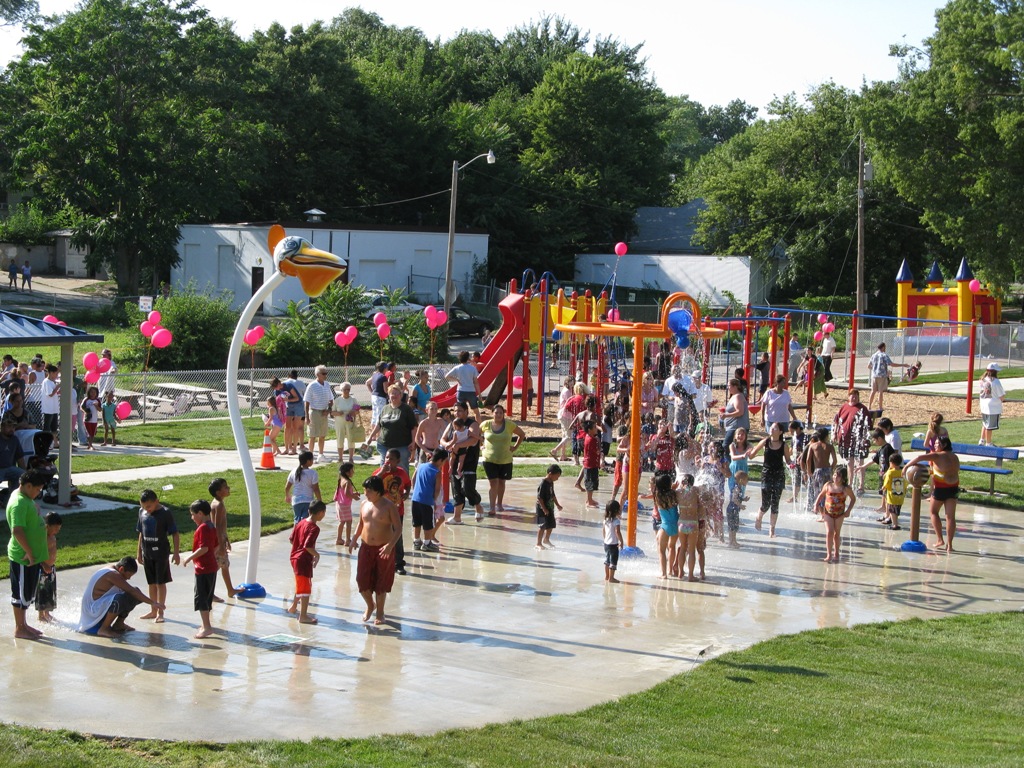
426 489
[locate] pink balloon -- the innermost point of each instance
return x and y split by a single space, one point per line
613 315
432 322
341 339
92 376
974 285
251 337
517 382
828 327
429 311
818 335
103 365
621 249
123 410
89 360
146 328
822 318
162 338
442 317
260 332
154 317
61 323
50 319
380 318
383 330
352 332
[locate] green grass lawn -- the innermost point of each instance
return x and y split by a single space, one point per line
913 693
204 434
946 376
88 461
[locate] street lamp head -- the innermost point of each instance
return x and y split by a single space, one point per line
491 159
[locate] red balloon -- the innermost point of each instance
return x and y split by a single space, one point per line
50 319
103 365
162 338
818 335
441 317
260 332
89 360
123 410
352 332
251 338
92 376
154 317
517 382
621 249
341 339
146 328
383 330
380 318
974 285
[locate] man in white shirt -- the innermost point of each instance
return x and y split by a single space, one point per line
317 400
51 402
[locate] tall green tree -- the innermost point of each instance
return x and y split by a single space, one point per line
788 187
950 132
17 11
597 151
121 121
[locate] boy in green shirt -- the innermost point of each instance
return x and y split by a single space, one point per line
26 549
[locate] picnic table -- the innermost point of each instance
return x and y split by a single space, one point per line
185 396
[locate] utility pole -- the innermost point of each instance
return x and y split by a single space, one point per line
861 296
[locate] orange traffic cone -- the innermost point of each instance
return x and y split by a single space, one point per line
267 459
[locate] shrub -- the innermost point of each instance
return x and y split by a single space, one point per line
305 335
202 324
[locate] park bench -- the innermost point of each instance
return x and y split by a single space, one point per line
980 451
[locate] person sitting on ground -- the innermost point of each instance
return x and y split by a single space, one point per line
109 598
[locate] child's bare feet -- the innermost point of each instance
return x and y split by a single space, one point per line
307 620
150 615
691 578
613 580
380 619
203 632
159 619
757 521
218 599
368 612
292 609
540 546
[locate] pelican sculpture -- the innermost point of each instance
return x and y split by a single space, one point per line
315 269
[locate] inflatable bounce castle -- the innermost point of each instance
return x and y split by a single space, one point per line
963 303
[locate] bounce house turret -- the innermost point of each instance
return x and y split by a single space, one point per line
904 285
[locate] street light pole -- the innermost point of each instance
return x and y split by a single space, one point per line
451 224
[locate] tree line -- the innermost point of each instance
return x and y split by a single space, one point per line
127 118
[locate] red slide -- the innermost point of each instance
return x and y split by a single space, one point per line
500 350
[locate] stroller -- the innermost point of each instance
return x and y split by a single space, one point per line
42 461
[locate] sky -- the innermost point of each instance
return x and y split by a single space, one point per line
713 51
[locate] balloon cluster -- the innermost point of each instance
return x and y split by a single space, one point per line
158 336
974 285
53 321
435 317
253 335
383 329
826 327
95 366
346 337
679 322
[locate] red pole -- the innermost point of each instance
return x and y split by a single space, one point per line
542 360
586 341
774 336
748 343
809 383
970 364
853 351
786 331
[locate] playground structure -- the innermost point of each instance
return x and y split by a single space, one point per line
638 332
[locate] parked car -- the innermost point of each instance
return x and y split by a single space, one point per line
380 302
461 323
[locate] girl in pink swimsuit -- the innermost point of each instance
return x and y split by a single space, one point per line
836 499
343 497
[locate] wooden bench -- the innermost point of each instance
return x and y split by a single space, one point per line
981 451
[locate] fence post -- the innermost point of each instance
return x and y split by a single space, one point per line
972 348
145 395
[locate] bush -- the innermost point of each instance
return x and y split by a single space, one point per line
202 324
305 335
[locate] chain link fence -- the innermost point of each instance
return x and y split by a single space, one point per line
941 349
180 395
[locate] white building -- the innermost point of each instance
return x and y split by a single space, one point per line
664 256
235 257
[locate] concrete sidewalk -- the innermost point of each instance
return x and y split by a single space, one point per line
488 630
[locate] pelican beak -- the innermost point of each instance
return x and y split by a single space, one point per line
315 269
